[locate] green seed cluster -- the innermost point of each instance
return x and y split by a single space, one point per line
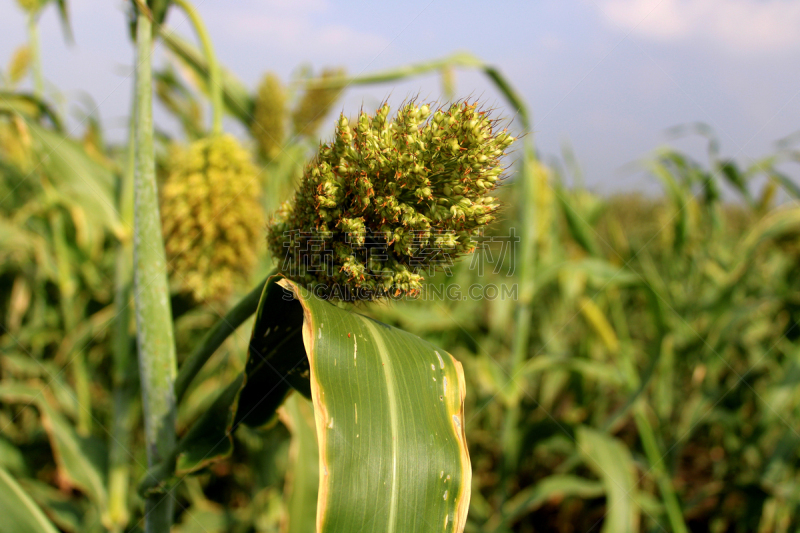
269 116
212 219
15 144
31 6
19 65
316 102
388 200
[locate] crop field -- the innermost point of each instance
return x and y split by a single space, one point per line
631 363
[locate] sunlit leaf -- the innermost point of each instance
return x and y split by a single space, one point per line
613 464
20 513
302 481
388 409
390 423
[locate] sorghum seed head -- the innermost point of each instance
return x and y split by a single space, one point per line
269 116
19 65
316 102
387 200
211 217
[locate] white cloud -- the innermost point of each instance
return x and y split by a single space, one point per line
301 30
741 26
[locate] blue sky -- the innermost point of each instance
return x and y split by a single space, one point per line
610 76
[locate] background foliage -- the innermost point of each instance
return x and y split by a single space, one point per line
655 387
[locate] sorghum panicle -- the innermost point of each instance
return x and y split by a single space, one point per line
316 102
269 116
212 218
389 199
19 65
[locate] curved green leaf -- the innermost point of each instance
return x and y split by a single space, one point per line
78 179
388 410
29 104
612 462
550 488
209 439
389 413
580 230
79 458
20 513
276 362
67 513
456 60
302 481
235 96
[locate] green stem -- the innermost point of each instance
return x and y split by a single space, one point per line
66 287
156 343
216 336
214 77
647 435
654 457
522 314
526 268
36 59
155 476
124 359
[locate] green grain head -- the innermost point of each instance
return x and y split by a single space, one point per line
390 199
448 77
212 218
316 103
19 65
30 6
269 116
16 144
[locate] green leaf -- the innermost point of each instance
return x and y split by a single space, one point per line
11 458
612 462
66 513
579 228
203 519
733 175
78 179
276 363
388 409
787 183
302 481
457 60
601 273
80 460
552 487
235 95
677 195
390 423
777 224
209 439
20 513
276 358
28 104
602 372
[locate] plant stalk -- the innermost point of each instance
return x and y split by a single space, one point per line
214 77
36 57
191 367
522 314
124 359
66 287
654 456
156 343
